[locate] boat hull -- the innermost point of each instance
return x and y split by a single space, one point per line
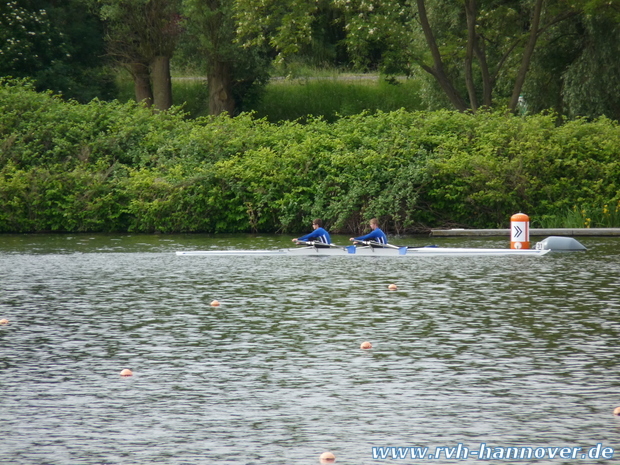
369 251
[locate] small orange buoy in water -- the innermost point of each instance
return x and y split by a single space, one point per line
366 345
215 303
327 457
392 287
617 411
126 372
4 321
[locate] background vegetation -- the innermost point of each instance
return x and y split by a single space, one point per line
468 55
536 84
100 166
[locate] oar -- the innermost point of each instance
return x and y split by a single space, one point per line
397 246
348 248
309 243
401 250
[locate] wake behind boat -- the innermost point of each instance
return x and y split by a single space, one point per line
388 250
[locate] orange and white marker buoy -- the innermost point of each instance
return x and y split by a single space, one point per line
4 321
519 231
617 411
126 372
215 303
392 287
366 345
327 457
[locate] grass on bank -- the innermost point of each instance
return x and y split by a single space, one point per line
332 98
328 95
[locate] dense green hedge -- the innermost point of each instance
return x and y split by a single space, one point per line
120 167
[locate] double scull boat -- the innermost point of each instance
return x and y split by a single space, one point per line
388 250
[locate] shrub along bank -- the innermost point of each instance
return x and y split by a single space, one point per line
120 167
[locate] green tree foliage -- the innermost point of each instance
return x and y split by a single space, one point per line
577 73
592 81
29 40
57 44
477 53
121 167
312 31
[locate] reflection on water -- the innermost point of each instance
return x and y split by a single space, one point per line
497 350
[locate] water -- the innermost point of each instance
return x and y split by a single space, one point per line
507 351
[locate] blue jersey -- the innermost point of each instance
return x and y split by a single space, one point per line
377 236
318 235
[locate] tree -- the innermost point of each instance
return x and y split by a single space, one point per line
591 83
142 36
477 51
57 44
577 73
234 72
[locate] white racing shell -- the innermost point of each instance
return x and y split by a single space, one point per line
353 251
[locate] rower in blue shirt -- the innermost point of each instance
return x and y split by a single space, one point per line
376 235
318 235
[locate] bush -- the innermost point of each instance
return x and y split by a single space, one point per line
122 167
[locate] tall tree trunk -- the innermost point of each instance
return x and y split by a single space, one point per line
162 86
487 81
437 70
142 83
527 56
474 48
470 13
219 80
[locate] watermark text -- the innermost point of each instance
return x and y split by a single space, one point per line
488 452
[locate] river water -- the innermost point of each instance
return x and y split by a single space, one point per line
502 351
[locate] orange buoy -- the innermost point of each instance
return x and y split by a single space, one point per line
126 372
4 321
617 411
392 287
366 345
519 231
327 457
215 303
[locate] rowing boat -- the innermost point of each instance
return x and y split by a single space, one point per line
369 251
552 243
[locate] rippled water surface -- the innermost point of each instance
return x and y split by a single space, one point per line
507 351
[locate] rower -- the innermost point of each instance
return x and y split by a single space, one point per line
319 236
376 235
